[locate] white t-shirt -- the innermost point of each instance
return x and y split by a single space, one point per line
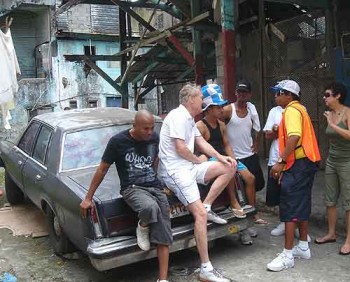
9 68
239 131
274 117
178 124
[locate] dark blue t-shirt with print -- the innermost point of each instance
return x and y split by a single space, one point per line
134 159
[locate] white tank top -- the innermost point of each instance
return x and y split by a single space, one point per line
239 131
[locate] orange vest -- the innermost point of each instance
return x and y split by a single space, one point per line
308 138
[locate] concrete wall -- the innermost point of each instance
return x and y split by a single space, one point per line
30 93
7 5
76 84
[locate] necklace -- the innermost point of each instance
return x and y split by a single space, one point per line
340 112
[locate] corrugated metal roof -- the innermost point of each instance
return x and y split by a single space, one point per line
105 19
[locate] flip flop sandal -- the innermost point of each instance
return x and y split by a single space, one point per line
239 213
260 221
325 241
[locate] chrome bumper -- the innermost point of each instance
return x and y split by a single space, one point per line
109 253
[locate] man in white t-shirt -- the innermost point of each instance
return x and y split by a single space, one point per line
273 187
181 170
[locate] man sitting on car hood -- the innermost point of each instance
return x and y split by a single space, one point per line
134 152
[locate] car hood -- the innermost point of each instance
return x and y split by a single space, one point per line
108 189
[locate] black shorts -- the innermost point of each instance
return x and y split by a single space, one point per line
296 186
253 165
273 190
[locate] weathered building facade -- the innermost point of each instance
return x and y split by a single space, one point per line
44 36
84 53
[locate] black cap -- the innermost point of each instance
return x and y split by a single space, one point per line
244 85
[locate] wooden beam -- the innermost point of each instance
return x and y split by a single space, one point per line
105 76
63 8
144 72
132 13
185 73
77 58
137 46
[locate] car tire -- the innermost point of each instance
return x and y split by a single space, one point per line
14 194
60 242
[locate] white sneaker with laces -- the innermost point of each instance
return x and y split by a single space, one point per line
245 238
297 235
142 235
300 253
279 230
212 276
281 262
212 216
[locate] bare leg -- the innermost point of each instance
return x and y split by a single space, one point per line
200 229
231 193
223 174
303 230
249 181
332 220
346 247
289 235
163 260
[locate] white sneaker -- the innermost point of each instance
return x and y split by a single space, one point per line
212 216
245 238
280 263
297 235
252 232
279 230
212 276
142 235
300 253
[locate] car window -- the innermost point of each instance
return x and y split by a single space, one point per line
41 144
85 148
28 138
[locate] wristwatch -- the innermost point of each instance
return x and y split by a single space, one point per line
281 161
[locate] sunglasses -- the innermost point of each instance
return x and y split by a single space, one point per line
328 94
280 93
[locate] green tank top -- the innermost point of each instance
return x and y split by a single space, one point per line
339 147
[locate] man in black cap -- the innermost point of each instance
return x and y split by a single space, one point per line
244 133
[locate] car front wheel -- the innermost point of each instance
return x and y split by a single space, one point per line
14 194
59 240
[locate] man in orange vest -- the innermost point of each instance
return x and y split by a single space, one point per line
295 168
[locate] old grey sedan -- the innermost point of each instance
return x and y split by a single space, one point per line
53 164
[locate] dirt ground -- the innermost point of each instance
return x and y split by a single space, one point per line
32 259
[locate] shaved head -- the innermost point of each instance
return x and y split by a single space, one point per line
142 116
143 125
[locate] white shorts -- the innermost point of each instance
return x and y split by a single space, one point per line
183 182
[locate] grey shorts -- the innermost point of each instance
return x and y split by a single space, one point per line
337 178
152 207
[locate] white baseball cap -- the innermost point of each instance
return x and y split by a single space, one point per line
289 85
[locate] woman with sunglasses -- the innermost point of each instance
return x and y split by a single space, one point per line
337 177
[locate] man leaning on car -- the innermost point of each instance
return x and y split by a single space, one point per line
134 152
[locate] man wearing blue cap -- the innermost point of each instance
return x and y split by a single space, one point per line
214 132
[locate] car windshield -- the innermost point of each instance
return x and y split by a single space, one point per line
85 148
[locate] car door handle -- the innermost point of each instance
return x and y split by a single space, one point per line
20 162
38 177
